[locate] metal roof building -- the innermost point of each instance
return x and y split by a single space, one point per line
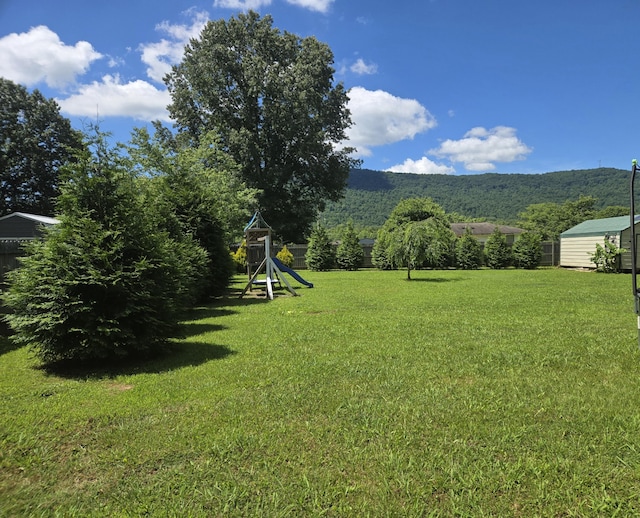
23 226
578 244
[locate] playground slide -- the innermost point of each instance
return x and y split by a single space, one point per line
286 269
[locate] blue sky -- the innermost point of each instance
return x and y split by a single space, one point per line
435 86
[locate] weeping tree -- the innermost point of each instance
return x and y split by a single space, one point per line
272 98
416 234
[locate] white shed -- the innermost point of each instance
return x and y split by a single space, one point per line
578 244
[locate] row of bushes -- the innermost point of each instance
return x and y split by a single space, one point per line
465 252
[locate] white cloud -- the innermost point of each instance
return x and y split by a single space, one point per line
112 98
241 4
362 68
161 55
39 55
380 118
480 148
322 6
422 166
115 62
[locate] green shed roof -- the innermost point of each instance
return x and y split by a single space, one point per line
594 227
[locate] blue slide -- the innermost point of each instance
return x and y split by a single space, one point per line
286 269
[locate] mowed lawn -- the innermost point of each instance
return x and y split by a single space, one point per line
482 393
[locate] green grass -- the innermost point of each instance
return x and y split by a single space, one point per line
484 393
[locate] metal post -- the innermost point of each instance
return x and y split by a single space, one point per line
634 252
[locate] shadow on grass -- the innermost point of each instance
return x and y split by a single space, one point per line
7 345
433 279
177 356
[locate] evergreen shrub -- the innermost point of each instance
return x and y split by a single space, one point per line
527 251
285 256
320 254
349 254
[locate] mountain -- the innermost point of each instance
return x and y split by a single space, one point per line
372 195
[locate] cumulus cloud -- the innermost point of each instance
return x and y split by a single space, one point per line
321 6
159 56
241 4
422 166
110 97
362 68
380 118
39 55
481 148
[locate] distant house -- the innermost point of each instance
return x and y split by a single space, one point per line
578 243
482 231
22 226
16 229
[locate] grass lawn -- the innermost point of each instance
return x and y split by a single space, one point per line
483 393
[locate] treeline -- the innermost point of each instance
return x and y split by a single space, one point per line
372 195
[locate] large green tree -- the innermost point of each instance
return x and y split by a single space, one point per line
272 98
35 141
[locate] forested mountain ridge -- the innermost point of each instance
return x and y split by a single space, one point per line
371 195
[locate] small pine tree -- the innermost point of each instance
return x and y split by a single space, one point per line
285 256
496 250
320 254
349 254
379 254
527 251
468 251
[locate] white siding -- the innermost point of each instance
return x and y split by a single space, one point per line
576 251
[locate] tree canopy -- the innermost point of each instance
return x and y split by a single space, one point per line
197 191
549 220
271 97
35 142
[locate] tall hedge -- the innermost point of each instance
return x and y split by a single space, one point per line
105 283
